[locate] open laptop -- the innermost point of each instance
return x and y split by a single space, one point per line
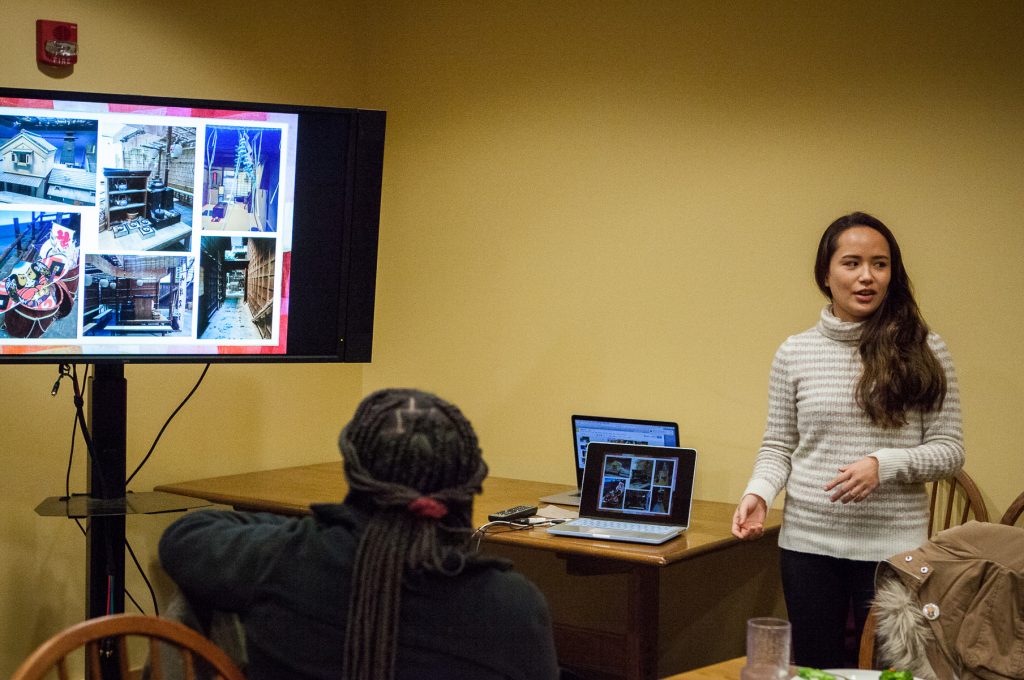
587 429
641 494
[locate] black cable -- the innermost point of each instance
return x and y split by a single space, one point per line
509 525
96 469
134 602
168 422
79 418
142 572
74 435
71 454
80 415
65 370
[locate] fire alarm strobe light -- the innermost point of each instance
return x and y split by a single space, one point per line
56 42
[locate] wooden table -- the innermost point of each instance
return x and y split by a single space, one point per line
620 609
726 670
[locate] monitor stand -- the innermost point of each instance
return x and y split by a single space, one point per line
107 503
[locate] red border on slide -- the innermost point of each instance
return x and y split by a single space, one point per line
182 111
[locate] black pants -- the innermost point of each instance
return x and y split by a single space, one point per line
820 594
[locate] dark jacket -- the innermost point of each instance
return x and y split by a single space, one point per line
288 579
968 584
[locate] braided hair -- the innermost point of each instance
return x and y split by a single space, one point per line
414 461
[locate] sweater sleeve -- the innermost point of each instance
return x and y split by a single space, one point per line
216 557
537 659
941 452
774 459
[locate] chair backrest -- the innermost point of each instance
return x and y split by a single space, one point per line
1014 512
957 494
105 638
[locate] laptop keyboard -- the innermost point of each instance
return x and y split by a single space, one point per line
625 526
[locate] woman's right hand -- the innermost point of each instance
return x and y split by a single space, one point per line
748 520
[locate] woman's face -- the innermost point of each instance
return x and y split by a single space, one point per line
859 273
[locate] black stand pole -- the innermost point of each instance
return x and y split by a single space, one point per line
107 504
108 418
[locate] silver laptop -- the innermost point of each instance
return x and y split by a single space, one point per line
635 493
587 429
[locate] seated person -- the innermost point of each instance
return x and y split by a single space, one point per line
384 585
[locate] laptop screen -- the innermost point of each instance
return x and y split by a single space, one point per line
587 429
636 483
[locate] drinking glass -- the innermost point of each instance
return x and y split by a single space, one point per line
767 649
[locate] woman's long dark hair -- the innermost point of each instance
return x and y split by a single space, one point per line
901 373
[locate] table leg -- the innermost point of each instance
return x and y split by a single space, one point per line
642 612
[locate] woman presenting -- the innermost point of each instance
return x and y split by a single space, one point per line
863 409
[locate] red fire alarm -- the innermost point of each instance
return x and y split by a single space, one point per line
56 42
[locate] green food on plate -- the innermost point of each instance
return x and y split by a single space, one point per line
814 674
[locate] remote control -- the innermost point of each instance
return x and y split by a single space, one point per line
516 512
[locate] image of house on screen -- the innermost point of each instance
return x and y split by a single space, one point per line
138 295
241 178
147 187
236 296
39 265
47 160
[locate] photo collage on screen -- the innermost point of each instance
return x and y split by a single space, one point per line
138 228
637 484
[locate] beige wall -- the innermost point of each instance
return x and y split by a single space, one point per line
613 208
588 207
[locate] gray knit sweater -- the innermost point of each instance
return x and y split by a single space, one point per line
815 426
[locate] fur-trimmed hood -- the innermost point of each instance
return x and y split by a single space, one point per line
953 609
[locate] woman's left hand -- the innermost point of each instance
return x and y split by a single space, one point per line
855 481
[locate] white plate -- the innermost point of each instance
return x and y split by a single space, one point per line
852 674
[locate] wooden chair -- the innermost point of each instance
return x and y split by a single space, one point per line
866 656
959 493
1014 512
199 657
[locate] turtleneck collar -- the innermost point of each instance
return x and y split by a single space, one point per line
847 332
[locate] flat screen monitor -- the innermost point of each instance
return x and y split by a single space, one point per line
149 229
